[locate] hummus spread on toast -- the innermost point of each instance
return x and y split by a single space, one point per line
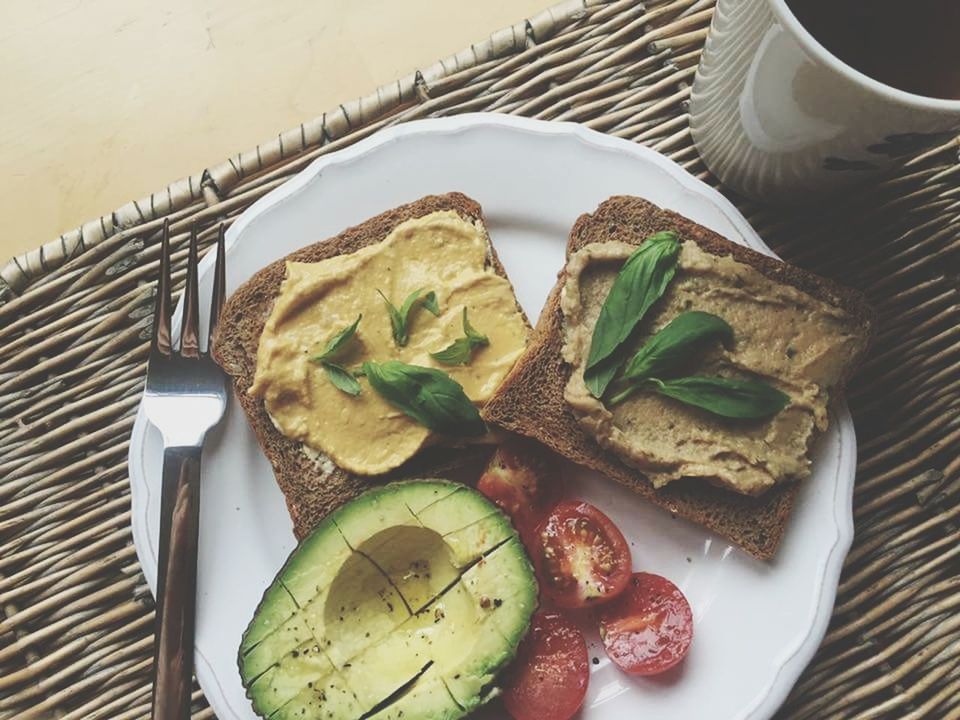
782 336
440 252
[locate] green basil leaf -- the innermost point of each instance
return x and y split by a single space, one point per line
458 352
599 377
741 399
640 283
461 350
430 304
338 342
664 353
342 378
396 321
471 332
429 396
400 319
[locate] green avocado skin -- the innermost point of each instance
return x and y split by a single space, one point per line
404 604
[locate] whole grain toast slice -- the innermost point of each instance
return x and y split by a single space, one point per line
530 401
311 483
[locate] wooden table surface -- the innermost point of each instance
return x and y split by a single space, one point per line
105 101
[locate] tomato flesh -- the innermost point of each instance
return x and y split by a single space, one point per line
649 628
582 558
549 677
523 479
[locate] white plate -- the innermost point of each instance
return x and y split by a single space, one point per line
756 624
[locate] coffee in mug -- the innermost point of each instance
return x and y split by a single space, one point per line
797 99
913 46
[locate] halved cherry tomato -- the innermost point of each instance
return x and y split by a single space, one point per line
648 629
523 478
583 558
549 677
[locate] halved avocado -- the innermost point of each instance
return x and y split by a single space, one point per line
413 596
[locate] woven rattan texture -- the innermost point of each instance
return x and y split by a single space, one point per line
75 614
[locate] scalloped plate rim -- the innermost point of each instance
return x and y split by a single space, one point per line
767 699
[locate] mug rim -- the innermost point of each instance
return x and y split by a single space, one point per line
813 46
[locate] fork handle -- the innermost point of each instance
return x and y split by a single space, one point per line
176 583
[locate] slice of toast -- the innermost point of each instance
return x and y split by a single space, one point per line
311 483
531 401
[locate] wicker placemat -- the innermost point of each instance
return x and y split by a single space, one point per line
75 614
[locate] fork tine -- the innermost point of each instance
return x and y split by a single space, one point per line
189 333
160 339
219 285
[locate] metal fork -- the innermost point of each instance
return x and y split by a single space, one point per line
185 396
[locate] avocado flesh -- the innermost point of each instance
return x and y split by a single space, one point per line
304 666
424 493
501 577
458 637
502 590
276 608
406 623
326 698
457 510
355 611
314 565
416 562
468 544
427 698
275 646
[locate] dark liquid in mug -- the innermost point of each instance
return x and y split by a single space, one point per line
913 45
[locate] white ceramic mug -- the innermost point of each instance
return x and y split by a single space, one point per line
775 116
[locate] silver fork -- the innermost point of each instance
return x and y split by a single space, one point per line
185 396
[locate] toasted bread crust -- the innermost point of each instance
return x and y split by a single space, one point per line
313 488
530 401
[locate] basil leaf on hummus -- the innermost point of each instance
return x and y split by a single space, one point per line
664 353
400 318
338 342
429 396
342 378
727 397
641 281
461 350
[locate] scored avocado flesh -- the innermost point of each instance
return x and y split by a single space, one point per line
415 596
